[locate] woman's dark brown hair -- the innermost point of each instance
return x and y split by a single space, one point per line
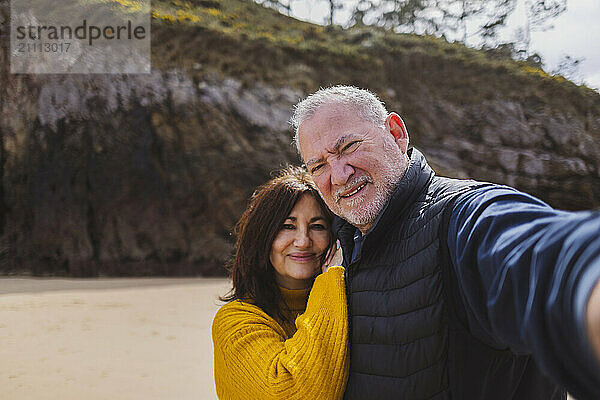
251 271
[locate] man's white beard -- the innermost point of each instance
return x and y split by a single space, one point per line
359 213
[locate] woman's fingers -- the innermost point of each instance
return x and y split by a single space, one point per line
331 253
338 257
335 256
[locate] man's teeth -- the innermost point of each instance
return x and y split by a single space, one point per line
354 191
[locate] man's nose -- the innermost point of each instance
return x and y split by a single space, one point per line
340 172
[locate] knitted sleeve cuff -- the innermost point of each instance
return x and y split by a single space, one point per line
328 292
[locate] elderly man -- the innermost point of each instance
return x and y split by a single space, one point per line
456 289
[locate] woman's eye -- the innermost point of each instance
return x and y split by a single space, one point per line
288 226
318 227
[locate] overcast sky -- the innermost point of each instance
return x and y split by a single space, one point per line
576 33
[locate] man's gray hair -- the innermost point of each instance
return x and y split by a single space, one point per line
362 101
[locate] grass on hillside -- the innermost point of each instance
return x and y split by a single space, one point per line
248 21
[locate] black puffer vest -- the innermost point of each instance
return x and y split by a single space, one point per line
405 339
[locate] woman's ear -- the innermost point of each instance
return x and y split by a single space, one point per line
395 126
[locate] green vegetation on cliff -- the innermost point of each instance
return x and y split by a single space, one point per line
273 47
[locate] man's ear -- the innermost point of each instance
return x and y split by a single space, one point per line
395 126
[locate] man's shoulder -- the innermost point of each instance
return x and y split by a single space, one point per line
498 197
442 185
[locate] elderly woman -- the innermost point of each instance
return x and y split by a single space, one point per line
283 333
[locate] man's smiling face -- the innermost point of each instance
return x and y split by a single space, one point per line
355 164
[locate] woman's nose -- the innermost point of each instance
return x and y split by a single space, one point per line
302 238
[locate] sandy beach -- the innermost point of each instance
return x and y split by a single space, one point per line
107 338
92 339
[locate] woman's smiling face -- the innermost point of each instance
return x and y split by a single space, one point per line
297 248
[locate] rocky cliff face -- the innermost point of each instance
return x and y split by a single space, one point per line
135 174
147 174
551 154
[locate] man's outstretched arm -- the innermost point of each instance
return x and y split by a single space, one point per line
526 273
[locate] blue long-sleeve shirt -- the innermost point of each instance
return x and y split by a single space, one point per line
525 272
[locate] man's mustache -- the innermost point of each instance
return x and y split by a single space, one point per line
354 182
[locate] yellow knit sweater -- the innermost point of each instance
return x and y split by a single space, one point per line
256 359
